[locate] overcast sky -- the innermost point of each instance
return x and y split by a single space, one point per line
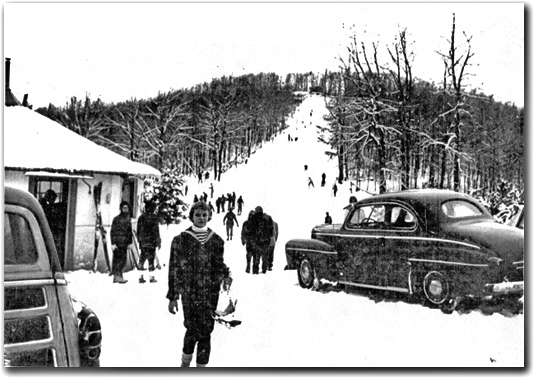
131 50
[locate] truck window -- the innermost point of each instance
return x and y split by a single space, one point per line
19 243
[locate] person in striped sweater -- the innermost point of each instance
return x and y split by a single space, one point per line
196 272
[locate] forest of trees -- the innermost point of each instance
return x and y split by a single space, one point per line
209 127
383 123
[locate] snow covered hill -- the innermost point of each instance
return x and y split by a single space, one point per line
284 325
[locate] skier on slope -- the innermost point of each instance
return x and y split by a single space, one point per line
229 220
196 272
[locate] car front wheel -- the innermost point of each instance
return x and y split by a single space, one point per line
306 274
436 288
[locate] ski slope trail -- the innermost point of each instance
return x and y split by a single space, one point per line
282 324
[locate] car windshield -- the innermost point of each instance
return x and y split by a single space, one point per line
460 209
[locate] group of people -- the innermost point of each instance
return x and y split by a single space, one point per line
122 239
259 235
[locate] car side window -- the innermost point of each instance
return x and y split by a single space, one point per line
368 217
401 218
19 243
460 209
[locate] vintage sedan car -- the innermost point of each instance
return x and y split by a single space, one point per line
43 324
437 244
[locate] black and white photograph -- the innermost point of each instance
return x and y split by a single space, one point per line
264 185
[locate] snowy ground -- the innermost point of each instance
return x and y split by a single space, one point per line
284 325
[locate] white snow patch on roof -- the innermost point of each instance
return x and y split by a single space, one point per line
35 142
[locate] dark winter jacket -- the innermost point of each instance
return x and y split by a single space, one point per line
229 219
148 231
121 230
196 270
261 229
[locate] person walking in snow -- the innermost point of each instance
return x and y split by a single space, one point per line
149 238
196 273
246 240
223 201
328 219
240 204
334 189
121 239
211 207
323 179
229 220
310 182
218 204
272 245
262 229
211 190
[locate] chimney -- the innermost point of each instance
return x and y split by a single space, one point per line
10 99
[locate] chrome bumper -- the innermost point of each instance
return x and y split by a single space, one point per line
504 288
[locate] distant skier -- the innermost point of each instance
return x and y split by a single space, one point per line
229 220
323 179
310 183
328 219
240 204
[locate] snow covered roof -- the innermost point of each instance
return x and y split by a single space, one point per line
34 142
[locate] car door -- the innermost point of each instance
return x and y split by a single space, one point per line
33 316
401 241
359 246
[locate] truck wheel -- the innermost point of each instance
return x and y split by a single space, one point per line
436 288
305 273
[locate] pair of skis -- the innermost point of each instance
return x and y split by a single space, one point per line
100 231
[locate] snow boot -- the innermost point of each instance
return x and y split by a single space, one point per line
142 279
118 279
186 360
153 279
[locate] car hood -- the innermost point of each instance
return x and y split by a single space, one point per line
507 242
327 228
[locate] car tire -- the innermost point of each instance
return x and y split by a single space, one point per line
436 288
306 273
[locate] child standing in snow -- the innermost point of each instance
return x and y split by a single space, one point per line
196 271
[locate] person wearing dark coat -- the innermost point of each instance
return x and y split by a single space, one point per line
328 219
196 272
246 240
229 220
218 204
323 179
240 204
149 237
262 229
121 239
272 246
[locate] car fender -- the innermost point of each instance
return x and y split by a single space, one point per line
322 255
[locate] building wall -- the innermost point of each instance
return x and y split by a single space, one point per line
16 179
80 252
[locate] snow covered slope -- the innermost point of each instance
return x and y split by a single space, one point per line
284 325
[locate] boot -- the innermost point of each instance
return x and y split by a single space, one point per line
142 279
186 360
153 279
118 279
